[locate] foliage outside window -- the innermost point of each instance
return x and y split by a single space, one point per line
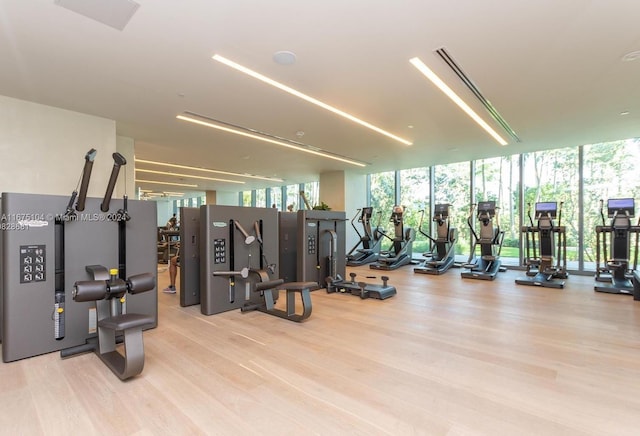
312 191
246 198
383 200
496 179
414 195
553 175
261 198
276 198
610 170
293 196
452 185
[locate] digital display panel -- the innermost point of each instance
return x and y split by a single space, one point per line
621 205
487 207
441 209
547 208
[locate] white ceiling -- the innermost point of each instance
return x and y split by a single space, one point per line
553 69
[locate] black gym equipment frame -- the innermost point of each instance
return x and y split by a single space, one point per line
441 255
367 249
401 250
361 289
614 275
489 240
541 270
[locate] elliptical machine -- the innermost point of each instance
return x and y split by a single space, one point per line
615 275
487 265
442 253
541 271
402 249
371 240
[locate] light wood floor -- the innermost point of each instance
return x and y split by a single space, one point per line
446 356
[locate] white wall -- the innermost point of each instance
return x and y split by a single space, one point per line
344 191
355 198
332 189
43 148
227 198
125 146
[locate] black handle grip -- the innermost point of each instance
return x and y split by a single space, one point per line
118 161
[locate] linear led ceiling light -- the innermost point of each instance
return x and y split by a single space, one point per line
305 97
268 139
139 170
416 62
166 183
207 170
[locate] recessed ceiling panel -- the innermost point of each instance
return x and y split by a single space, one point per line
114 13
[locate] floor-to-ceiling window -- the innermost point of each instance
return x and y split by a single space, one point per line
246 198
293 197
415 197
382 194
312 191
496 179
276 198
452 185
553 175
610 170
261 198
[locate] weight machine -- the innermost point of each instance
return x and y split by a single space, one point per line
489 240
442 251
541 270
615 275
234 269
49 256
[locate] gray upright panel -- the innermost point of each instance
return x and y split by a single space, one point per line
141 233
225 251
189 256
316 260
38 311
288 246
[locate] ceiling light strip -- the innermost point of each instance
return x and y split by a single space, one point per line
269 140
305 97
301 145
420 66
250 130
446 57
187 167
166 183
140 170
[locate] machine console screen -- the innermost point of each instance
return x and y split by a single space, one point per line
621 205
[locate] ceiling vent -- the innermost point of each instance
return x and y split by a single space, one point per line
474 89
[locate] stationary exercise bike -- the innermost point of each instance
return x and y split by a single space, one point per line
542 271
402 249
489 240
442 252
371 240
615 275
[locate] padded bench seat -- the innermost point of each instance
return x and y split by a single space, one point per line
126 321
